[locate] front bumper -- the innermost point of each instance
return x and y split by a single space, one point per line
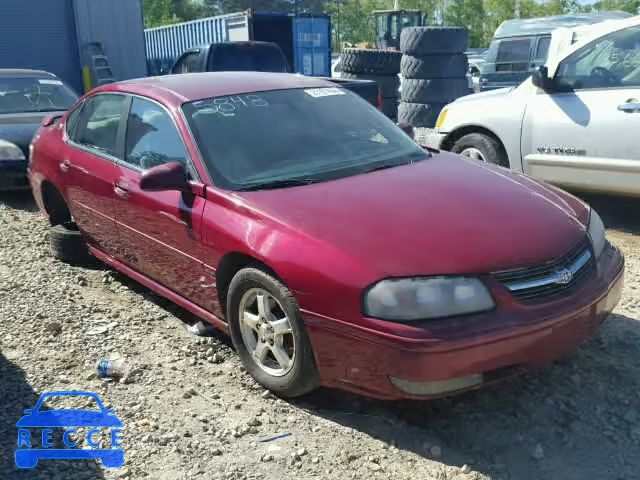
13 175
432 139
372 363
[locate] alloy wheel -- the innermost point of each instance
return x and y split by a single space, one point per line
266 332
474 153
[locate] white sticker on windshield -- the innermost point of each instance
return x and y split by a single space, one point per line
45 81
323 92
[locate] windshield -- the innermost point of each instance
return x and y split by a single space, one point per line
19 95
298 135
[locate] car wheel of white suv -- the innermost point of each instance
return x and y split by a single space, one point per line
481 147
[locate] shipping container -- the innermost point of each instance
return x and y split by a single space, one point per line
59 35
305 39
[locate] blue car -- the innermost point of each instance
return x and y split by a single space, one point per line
27 457
26 98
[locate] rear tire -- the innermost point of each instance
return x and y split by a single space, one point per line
418 114
435 90
481 147
434 66
67 244
421 41
375 62
301 374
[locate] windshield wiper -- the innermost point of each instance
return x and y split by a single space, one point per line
284 183
383 165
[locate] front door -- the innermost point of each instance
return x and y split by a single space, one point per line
89 165
159 231
582 135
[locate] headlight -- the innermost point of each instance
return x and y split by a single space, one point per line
441 118
9 151
596 233
410 299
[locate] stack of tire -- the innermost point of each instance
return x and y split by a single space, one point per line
381 66
434 70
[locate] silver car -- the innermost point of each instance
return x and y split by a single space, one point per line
574 123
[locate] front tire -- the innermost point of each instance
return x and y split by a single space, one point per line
269 334
481 147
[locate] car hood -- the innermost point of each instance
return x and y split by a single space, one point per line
444 215
69 418
493 94
19 128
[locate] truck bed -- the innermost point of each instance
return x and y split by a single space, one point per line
367 89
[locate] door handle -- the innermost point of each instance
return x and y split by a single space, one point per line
121 188
630 106
65 165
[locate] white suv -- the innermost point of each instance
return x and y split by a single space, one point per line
574 123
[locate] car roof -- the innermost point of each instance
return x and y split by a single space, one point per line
542 25
195 86
187 87
23 72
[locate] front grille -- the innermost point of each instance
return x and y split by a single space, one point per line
551 280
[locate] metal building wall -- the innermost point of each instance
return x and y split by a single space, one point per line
119 26
166 44
39 34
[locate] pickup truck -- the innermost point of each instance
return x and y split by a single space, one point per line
260 57
574 123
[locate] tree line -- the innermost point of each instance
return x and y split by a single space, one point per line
353 23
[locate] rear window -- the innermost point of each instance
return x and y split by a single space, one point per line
513 55
247 58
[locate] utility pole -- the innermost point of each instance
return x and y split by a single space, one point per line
516 13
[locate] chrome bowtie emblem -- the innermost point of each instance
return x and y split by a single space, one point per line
564 277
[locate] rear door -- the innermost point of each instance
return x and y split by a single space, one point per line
583 134
159 231
89 166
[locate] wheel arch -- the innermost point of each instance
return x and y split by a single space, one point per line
230 264
54 203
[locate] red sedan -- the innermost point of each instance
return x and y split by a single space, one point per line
332 248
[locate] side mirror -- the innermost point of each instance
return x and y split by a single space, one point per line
51 119
29 411
408 129
170 176
540 78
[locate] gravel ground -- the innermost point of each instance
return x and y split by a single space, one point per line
189 410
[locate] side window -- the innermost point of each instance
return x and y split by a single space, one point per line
99 121
152 137
382 25
188 63
395 19
608 62
72 122
513 55
542 49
